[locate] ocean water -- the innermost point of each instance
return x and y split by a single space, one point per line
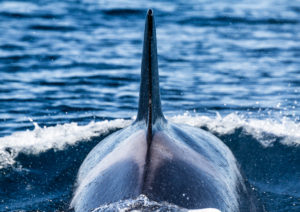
69 76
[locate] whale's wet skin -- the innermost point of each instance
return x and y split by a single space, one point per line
170 163
188 167
69 78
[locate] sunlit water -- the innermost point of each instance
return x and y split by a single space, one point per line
69 76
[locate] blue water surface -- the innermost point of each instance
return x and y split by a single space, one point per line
67 66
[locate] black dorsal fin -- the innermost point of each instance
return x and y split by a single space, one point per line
149 103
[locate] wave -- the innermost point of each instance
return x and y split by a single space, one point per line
45 160
57 137
264 130
39 140
143 203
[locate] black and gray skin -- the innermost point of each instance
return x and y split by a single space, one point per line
167 162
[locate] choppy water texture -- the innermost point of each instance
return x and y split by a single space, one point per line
70 76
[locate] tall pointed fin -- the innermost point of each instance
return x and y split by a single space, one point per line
149 103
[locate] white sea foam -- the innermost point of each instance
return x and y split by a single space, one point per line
265 131
58 137
142 203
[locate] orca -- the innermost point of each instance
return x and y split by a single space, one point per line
167 162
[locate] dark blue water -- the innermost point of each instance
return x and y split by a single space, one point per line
69 76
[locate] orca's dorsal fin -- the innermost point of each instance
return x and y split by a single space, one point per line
149 103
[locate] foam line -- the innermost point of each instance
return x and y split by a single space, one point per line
39 139
264 130
57 137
